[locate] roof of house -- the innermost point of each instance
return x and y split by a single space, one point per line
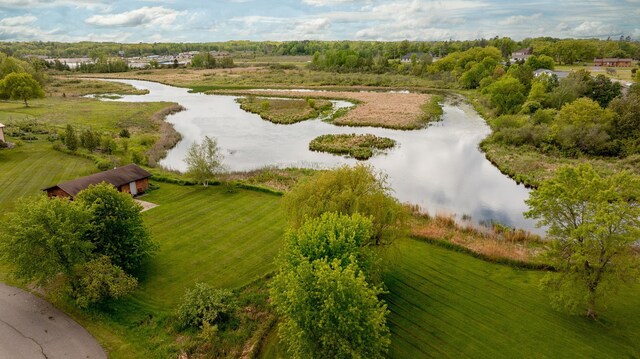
117 177
525 51
408 56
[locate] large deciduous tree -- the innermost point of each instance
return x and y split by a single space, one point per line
204 160
45 237
328 307
349 190
593 222
117 229
21 86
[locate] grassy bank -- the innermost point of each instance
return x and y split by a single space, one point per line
448 304
27 169
361 147
284 111
266 77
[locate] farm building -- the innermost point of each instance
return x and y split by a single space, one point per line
2 133
613 62
128 179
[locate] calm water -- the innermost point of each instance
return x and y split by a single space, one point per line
439 168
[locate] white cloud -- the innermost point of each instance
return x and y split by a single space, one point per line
327 2
520 19
18 20
88 4
144 16
594 28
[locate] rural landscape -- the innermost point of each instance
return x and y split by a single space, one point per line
179 185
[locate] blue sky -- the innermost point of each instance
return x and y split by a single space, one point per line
221 20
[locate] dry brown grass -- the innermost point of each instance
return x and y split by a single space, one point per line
180 77
496 243
378 109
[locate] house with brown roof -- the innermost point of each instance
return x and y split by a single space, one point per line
2 133
613 62
128 179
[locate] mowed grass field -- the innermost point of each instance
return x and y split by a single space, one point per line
227 240
446 304
28 169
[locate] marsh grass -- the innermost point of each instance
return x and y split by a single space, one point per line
361 147
284 111
496 243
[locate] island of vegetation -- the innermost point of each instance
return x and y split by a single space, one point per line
285 111
360 147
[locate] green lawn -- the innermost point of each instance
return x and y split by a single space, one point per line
34 166
447 304
205 235
84 113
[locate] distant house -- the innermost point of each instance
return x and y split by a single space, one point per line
613 62
521 55
2 133
407 57
128 179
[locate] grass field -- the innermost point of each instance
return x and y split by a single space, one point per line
83 113
227 240
450 305
28 169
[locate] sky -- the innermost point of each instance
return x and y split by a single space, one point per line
133 21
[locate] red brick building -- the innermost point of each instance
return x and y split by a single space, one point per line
128 179
613 62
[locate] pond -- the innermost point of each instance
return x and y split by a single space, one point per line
439 168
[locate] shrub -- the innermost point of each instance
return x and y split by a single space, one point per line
124 133
205 305
98 280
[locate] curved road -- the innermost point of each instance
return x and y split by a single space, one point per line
31 327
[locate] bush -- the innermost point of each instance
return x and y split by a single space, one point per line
98 280
203 305
124 133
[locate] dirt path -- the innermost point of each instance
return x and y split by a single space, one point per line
30 327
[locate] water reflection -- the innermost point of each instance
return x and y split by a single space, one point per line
439 168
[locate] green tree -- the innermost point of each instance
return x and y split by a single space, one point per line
70 138
117 229
593 222
349 190
603 90
204 160
45 237
506 95
204 305
21 86
328 308
98 280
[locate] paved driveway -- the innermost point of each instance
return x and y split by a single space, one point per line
32 328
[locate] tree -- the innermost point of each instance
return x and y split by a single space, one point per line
204 160
70 138
21 86
98 280
593 223
204 305
506 95
44 238
348 190
117 230
328 308
603 90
